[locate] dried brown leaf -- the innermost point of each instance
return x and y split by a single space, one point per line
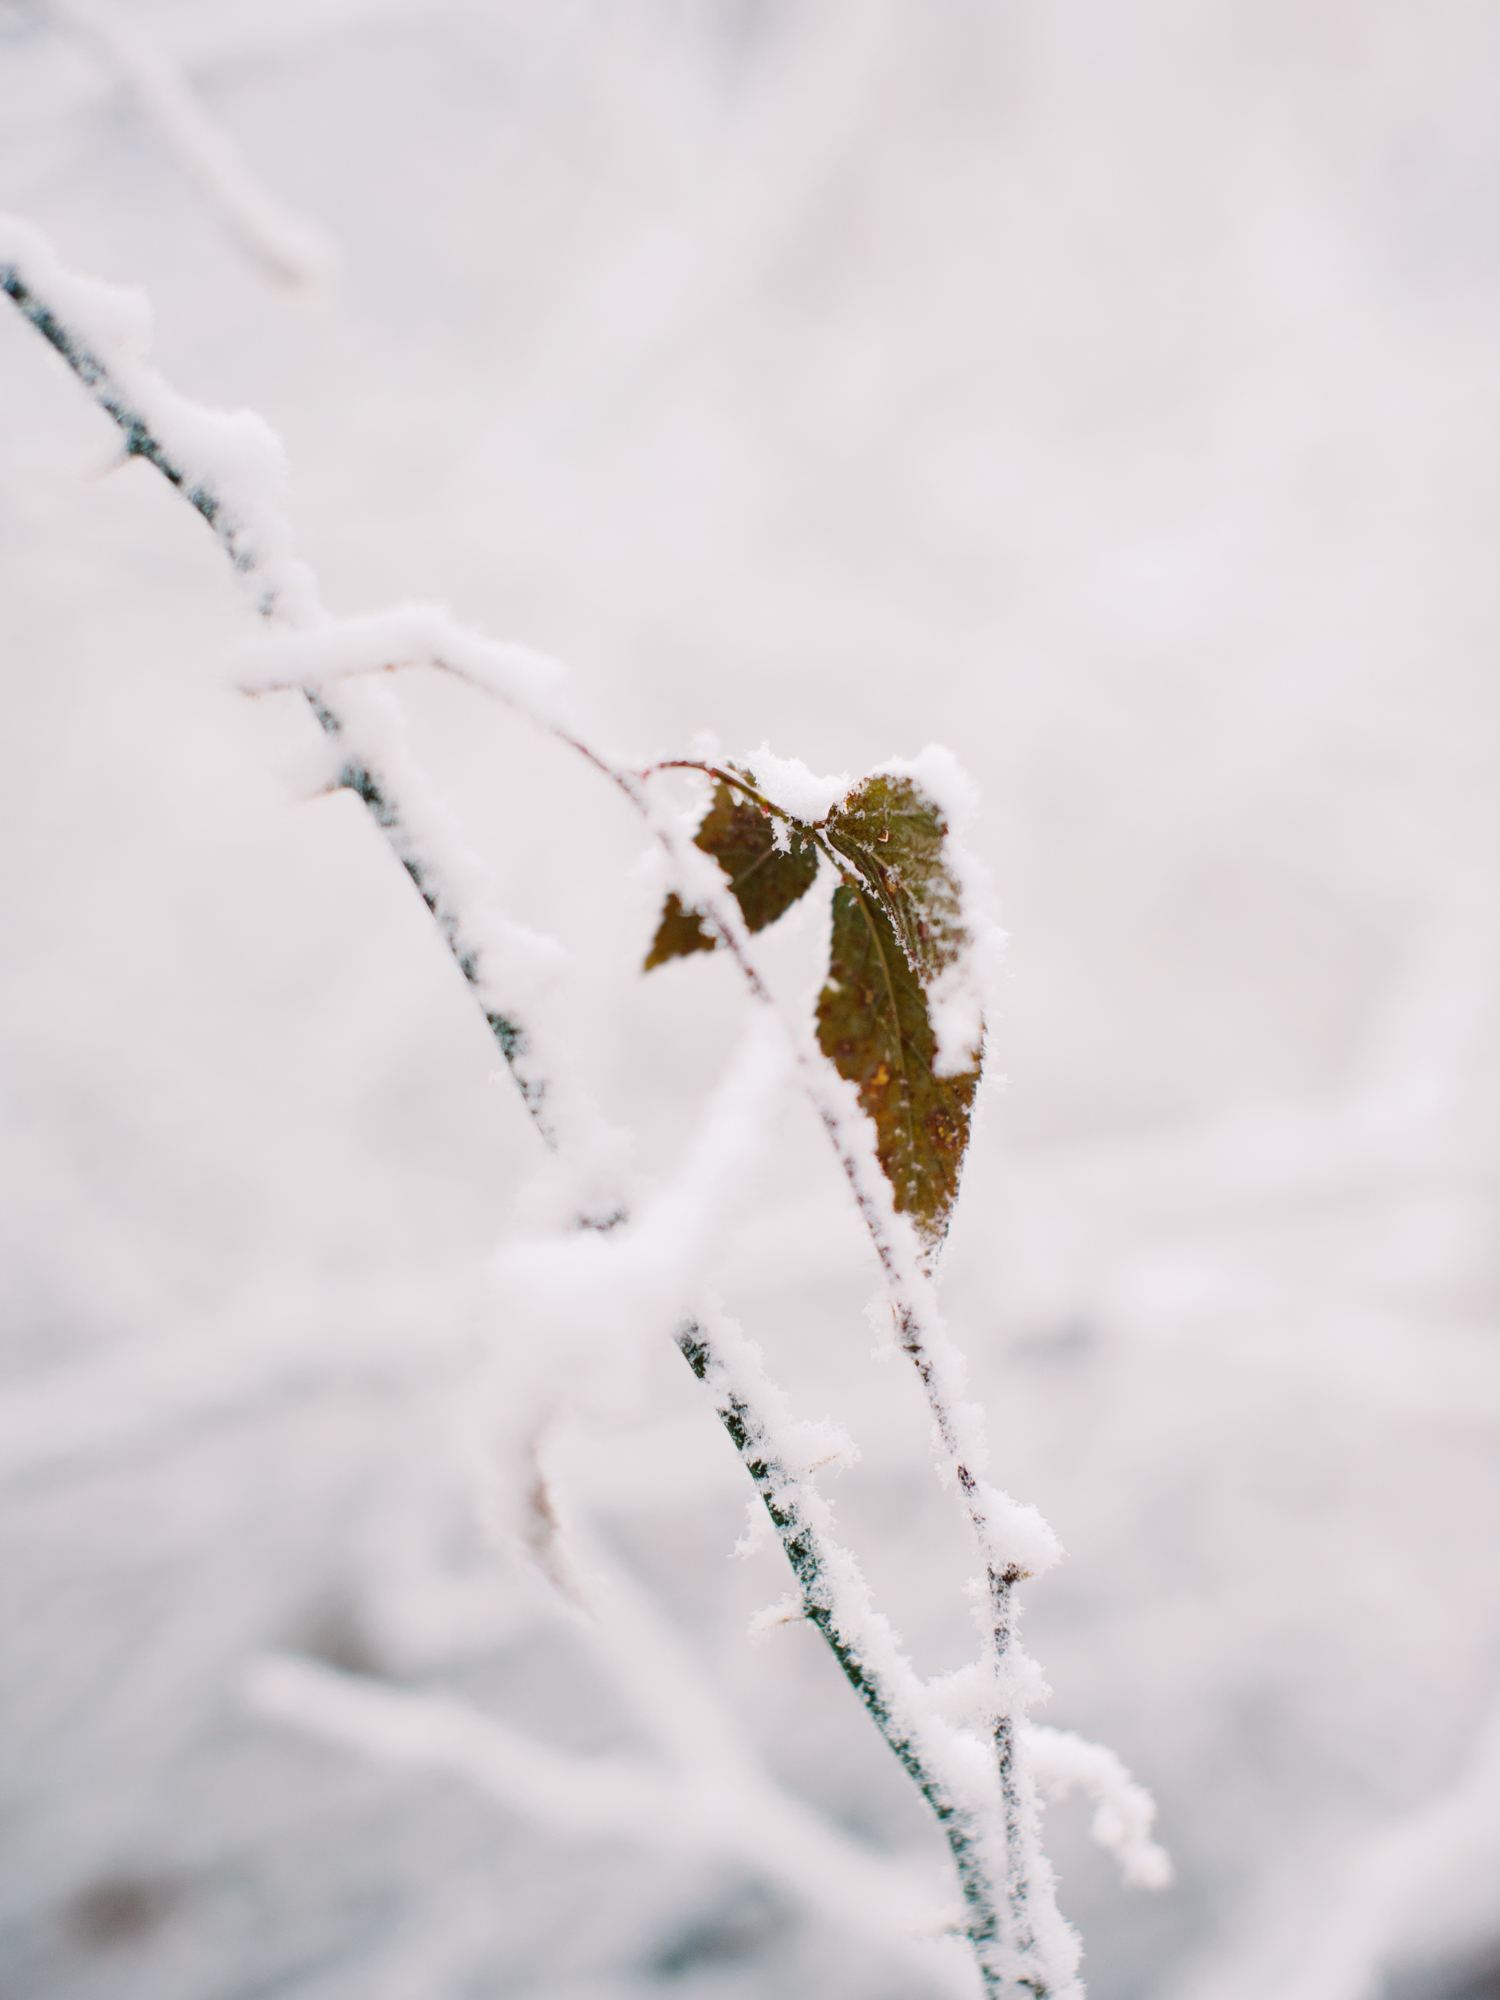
766 879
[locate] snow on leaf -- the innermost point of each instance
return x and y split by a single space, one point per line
894 835
766 879
874 1027
897 926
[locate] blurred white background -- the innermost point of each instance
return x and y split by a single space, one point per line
1105 388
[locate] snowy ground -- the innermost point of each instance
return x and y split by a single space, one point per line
1107 391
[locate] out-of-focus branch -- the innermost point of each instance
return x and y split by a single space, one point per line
626 1796
282 243
1124 1812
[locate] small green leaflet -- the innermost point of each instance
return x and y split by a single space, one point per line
897 926
766 880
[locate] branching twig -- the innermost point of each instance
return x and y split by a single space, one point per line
987 1807
1012 1541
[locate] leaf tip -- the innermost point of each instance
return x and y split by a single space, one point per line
678 935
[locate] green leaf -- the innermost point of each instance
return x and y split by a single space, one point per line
766 879
875 1028
898 924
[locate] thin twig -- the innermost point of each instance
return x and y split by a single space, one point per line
835 1598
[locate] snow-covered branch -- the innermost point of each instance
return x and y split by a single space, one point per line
1124 1812
989 1821
962 1741
231 468
1013 1541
